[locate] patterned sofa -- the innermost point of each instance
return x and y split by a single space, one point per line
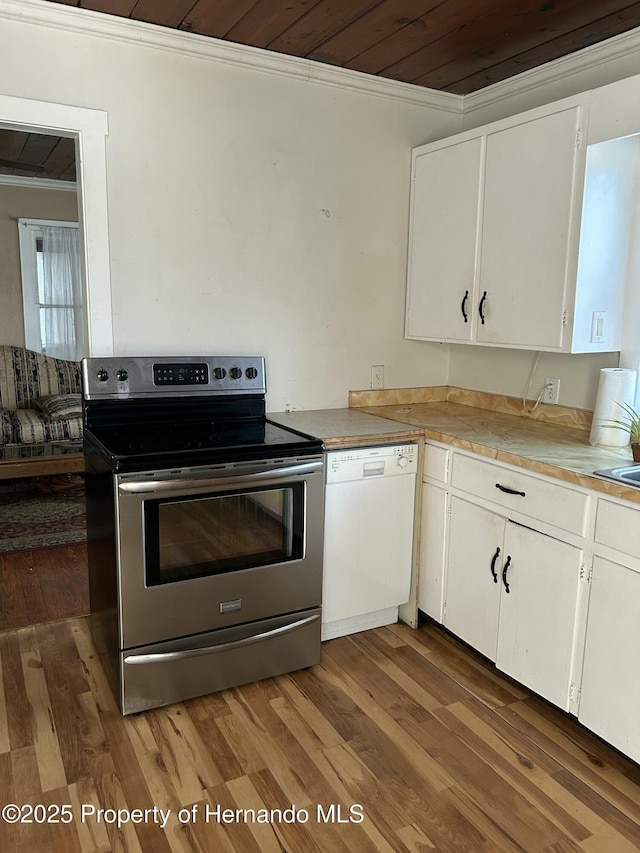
40 398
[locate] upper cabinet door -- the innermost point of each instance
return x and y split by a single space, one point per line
443 240
530 230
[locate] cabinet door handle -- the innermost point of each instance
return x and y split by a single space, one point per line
493 565
463 306
509 491
504 574
481 306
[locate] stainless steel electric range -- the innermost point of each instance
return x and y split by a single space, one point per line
205 528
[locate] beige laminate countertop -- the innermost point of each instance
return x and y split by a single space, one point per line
348 427
547 448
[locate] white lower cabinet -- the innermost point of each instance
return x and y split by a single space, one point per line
472 598
432 550
610 687
537 623
610 691
512 594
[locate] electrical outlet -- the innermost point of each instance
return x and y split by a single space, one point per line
377 377
551 390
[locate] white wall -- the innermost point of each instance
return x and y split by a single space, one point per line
249 212
506 371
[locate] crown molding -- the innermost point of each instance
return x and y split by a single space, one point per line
87 22
38 183
559 70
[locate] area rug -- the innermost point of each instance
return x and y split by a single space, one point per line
40 512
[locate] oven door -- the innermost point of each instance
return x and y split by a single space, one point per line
213 547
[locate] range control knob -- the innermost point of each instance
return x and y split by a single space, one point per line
219 372
102 375
251 373
235 373
122 375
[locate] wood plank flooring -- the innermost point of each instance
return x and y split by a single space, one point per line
400 740
43 585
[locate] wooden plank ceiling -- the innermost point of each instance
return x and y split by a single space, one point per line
37 155
456 46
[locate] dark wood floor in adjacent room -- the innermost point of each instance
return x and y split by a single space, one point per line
439 751
43 585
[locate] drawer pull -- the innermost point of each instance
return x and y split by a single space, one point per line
504 574
481 307
463 307
509 491
493 565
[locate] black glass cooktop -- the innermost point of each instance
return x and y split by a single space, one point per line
153 446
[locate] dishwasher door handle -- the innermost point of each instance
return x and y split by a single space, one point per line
373 469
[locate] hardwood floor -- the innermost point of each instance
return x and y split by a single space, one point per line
413 732
43 585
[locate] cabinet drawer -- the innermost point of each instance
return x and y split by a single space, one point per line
436 462
538 498
617 526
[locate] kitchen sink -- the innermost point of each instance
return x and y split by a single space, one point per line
630 475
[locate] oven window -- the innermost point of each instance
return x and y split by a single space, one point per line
193 537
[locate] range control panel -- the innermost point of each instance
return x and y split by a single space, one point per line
181 374
145 376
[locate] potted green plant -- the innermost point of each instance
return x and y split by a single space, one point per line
629 421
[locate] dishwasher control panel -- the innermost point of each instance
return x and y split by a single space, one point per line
362 463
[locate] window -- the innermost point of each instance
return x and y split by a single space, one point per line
52 288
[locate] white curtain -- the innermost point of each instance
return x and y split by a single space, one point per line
62 293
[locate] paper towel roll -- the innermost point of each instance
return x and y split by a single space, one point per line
617 385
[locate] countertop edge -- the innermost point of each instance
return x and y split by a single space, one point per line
398 437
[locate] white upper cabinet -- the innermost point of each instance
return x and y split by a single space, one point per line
442 254
527 224
495 236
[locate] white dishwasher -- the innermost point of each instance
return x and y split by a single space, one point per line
368 540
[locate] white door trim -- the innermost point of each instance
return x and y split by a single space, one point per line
89 128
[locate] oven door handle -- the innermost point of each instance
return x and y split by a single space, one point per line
162 657
208 480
